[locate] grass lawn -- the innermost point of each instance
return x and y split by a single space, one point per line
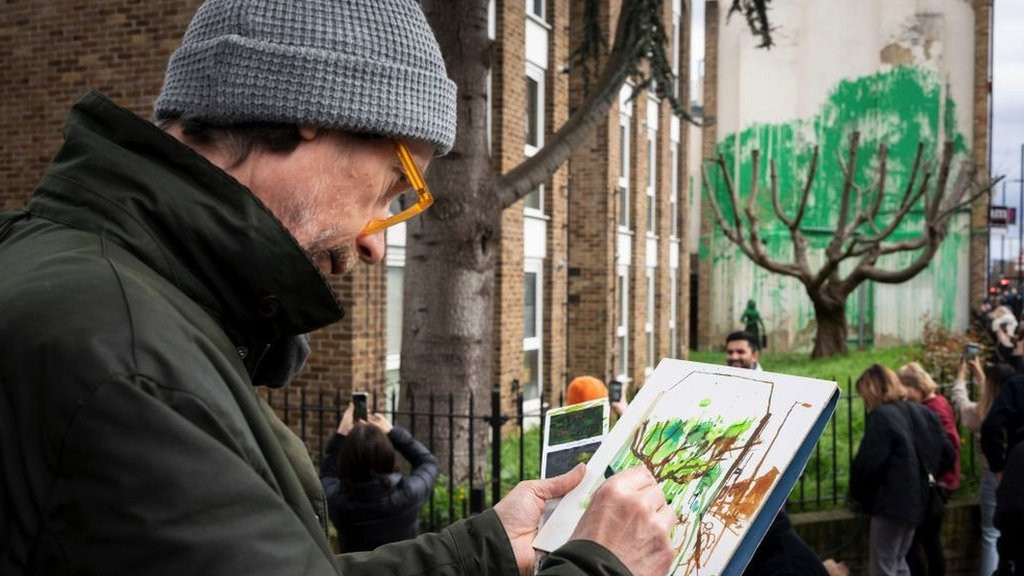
838 368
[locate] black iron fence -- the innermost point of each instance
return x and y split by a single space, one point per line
315 415
513 453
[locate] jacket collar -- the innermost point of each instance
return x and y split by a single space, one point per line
123 178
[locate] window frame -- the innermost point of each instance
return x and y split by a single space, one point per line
535 343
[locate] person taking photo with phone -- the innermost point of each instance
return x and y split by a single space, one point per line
971 414
369 501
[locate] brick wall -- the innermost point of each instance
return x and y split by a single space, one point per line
593 205
508 104
982 116
53 52
683 318
841 535
709 135
638 224
556 269
591 224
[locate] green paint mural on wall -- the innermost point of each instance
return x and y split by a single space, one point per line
900 108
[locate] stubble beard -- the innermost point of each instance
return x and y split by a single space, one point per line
298 214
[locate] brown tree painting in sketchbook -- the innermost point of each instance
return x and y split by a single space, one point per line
718 440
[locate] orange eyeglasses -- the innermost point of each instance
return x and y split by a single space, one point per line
423 197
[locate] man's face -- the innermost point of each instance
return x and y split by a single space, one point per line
738 353
328 189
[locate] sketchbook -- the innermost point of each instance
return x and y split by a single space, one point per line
726 444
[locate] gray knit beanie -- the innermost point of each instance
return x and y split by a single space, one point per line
365 66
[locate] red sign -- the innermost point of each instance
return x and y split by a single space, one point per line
1002 215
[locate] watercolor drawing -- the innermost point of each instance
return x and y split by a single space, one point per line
561 461
572 434
572 425
717 439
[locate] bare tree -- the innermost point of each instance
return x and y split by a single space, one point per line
862 235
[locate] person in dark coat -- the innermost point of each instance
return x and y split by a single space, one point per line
783 553
370 502
1003 427
1009 517
1002 441
926 557
886 477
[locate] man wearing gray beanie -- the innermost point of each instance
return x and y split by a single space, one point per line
159 272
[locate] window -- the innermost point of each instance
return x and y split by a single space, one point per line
535 199
531 374
534 127
492 33
393 332
532 112
532 334
649 321
534 108
625 117
673 343
530 306
535 8
652 181
624 175
622 328
673 191
675 53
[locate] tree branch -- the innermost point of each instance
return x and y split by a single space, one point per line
835 246
754 251
534 171
776 205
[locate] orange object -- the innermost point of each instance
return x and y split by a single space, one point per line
585 388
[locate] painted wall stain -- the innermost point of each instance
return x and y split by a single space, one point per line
899 107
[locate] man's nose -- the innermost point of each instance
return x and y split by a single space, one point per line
371 247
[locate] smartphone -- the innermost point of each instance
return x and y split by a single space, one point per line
359 403
614 391
970 351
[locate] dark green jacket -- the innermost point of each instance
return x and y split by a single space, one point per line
138 292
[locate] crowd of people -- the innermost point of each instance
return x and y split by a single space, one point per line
998 320
908 463
906 467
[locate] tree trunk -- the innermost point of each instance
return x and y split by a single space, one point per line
830 338
450 256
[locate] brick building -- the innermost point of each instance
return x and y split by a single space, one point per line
593 275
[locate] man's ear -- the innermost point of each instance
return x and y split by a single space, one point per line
308 133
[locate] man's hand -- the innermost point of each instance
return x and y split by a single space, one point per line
628 515
377 419
520 511
345 426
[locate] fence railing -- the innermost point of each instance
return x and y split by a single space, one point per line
514 447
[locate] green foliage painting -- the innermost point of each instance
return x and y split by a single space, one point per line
901 108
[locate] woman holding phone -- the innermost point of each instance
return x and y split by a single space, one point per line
972 414
369 501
